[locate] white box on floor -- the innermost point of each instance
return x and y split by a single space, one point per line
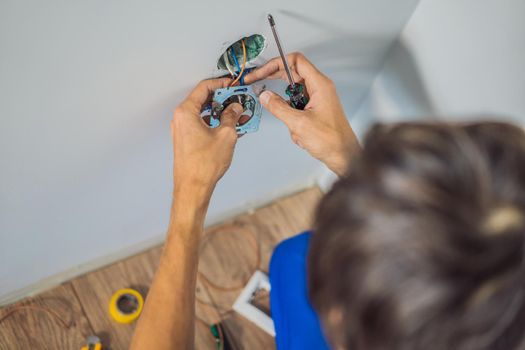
244 306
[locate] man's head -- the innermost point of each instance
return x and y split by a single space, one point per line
421 245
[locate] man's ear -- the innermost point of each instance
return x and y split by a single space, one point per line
334 328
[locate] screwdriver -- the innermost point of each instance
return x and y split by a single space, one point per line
295 91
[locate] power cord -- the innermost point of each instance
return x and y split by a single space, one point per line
255 244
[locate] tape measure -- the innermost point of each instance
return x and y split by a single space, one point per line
125 305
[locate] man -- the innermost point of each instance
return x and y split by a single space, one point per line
419 245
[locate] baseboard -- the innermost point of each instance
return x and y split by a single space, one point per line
69 274
128 251
326 179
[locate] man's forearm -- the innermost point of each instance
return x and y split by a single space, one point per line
167 321
202 156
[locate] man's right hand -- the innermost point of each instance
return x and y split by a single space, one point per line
322 128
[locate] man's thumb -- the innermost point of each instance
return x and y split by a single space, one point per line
276 105
231 115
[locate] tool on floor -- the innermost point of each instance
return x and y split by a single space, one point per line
125 305
295 91
222 342
93 343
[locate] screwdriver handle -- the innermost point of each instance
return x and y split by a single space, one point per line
297 95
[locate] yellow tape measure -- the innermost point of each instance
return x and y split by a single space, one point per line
93 343
125 305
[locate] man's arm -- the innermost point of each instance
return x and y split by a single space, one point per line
201 156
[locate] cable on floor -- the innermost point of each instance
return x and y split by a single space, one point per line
47 310
255 245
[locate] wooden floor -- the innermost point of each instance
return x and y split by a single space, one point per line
229 254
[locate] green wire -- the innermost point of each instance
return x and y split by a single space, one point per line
214 330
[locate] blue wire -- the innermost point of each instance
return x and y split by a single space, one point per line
235 59
237 64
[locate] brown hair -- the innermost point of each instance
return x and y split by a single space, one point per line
421 244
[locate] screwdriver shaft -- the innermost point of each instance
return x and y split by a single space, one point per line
281 52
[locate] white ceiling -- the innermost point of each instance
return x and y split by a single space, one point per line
86 94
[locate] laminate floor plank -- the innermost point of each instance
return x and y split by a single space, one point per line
95 289
52 320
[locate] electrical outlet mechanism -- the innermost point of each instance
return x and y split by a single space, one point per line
235 60
247 96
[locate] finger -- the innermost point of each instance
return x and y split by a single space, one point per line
269 69
304 68
279 107
296 140
283 76
201 94
230 116
244 119
262 72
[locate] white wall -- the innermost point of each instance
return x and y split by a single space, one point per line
86 94
455 59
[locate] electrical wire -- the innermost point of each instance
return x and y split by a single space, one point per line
219 330
235 60
221 337
242 78
44 309
237 65
55 315
243 63
228 64
221 312
256 248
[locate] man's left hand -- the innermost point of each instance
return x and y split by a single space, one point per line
202 154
